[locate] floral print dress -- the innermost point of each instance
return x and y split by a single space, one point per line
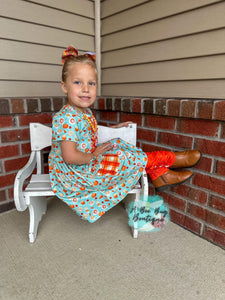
91 189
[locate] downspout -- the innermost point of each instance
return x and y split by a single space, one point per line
98 43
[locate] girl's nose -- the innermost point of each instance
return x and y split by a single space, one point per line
85 87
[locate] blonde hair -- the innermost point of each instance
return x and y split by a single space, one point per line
83 59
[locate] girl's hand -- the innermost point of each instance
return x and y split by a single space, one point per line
102 148
72 155
123 124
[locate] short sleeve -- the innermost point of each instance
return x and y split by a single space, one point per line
65 127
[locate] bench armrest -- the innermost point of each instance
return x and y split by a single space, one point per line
22 175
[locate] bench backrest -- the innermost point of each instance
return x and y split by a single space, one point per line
41 135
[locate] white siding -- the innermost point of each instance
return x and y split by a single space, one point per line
33 37
156 48
164 49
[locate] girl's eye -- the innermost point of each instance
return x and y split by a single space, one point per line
92 83
76 82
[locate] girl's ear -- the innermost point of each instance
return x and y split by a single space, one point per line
63 86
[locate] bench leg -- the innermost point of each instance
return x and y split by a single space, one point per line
37 208
135 233
135 229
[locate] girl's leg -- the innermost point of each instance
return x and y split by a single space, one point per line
158 169
159 163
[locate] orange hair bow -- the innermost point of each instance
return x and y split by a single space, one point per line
91 55
71 51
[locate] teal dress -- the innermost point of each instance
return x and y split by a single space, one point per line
91 189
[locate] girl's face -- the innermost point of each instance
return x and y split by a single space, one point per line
80 86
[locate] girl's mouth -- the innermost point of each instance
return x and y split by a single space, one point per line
83 98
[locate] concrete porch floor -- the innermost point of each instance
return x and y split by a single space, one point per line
72 259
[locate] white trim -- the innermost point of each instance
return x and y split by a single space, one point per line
98 42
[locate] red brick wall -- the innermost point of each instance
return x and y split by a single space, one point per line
173 124
176 124
15 116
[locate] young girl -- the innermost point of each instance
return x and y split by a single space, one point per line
93 178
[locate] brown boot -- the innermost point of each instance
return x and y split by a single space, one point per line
171 178
186 159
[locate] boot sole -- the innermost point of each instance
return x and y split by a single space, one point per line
164 187
190 166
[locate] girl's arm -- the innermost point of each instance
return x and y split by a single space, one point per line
72 155
124 124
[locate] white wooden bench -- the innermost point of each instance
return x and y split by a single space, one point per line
38 189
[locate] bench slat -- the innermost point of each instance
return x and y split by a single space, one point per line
37 186
40 178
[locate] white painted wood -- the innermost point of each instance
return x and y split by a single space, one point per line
21 176
37 208
40 136
127 134
135 228
39 188
98 43
39 162
40 177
